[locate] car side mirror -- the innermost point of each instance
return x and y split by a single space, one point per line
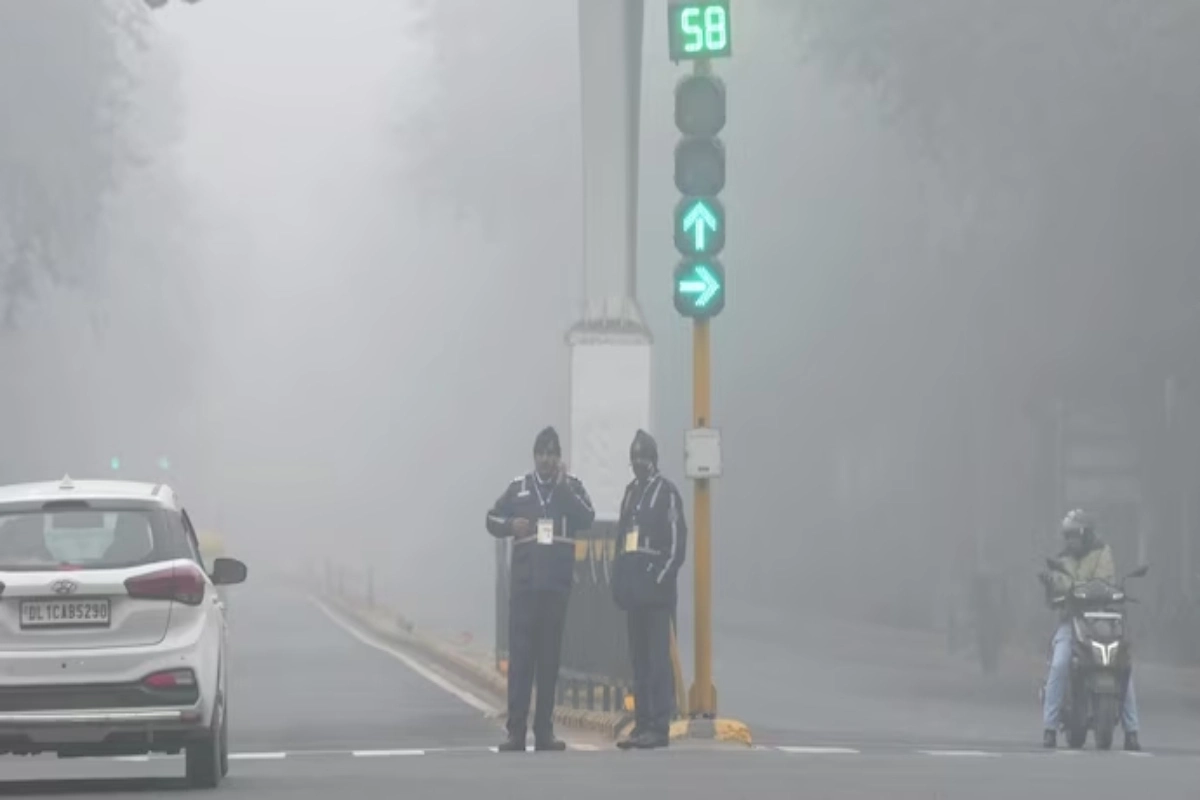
228 571
1140 571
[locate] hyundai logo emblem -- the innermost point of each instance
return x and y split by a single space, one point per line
64 586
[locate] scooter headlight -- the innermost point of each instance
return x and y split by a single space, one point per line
1104 653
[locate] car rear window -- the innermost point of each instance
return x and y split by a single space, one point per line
86 539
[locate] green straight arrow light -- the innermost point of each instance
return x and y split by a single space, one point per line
699 226
698 222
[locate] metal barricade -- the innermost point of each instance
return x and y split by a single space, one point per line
595 672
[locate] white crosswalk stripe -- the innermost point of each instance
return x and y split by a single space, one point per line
799 750
818 750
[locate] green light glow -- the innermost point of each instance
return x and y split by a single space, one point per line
704 286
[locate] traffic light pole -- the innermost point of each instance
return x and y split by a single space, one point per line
699 32
702 699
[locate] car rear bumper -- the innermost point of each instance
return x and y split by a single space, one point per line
70 698
108 731
21 721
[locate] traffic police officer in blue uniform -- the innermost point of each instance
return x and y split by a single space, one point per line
542 511
651 546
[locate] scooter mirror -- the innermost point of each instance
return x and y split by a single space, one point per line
1054 566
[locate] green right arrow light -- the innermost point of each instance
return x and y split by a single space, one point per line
700 289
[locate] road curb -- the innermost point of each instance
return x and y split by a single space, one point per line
728 731
481 676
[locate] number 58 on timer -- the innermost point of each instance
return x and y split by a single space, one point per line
699 29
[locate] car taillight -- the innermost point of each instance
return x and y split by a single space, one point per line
170 679
182 584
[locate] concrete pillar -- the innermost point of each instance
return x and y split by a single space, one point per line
610 343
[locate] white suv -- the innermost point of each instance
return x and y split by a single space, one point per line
113 638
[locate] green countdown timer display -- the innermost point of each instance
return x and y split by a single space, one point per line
699 29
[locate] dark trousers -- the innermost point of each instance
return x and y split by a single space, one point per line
535 630
653 677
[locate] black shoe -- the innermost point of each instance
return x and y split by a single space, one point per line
512 745
631 741
652 741
1050 739
1131 742
549 743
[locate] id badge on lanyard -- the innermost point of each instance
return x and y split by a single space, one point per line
633 538
545 525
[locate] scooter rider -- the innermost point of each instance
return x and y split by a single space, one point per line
1085 557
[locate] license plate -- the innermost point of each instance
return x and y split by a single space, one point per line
65 613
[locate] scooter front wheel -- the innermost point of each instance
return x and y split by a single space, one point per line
1106 720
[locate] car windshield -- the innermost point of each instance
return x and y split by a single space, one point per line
80 538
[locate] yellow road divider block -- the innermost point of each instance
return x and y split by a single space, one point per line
719 730
731 730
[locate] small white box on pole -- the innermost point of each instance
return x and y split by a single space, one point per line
702 453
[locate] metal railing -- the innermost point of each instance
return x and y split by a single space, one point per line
595 672
347 582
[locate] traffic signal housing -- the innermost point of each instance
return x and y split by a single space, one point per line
699 218
699 226
700 117
700 105
699 288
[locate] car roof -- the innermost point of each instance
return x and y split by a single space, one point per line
26 495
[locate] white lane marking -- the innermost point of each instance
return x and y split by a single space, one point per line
257 756
820 751
132 759
1137 753
960 753
528 749
386 753
588 747
437 680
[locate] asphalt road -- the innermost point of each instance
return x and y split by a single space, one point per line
694 773
814 682
316 712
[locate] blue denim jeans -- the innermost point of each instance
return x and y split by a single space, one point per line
1056 685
